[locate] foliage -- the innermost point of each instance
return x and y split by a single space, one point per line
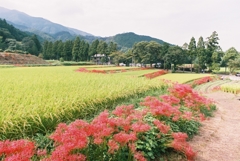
234 65
192 50
175 56
17 41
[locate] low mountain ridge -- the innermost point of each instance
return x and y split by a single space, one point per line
27 23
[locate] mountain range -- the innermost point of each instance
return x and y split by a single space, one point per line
47 30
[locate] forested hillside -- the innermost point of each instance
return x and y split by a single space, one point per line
14 40
129 39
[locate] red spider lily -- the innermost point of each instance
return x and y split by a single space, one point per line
187 115
161 126
170 99
123 111
113 146
179 143
139 156
82 70
21 150
140 127
98 71
201 81
41 152
157 107
123 138
155 74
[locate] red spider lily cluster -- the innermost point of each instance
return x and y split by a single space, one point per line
21 150
155 74
118 130
91 71
202 81
216 88
108 71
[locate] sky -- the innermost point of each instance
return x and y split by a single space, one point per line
173 21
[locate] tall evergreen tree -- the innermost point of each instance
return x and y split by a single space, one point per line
212 46
93 48
68 47
201 54
37 43
76 49
112 47
192 50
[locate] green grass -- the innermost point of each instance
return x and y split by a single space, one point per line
182 77
37 99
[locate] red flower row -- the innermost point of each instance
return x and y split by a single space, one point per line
155 74
202 81
120 129
108 71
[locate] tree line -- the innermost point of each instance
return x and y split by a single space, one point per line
201 55
77 50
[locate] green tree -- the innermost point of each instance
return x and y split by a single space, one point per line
37 43
76 49
201 54
118 57
139 51
68 47
60 49
103 49
192 50
234 64
45 46
212 46
230 54
112 47
50 50
86 52
154 54
93 48
165 48
175 56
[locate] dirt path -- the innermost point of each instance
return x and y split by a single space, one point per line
219 137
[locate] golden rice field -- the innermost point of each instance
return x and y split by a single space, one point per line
182 77
36 99
231 87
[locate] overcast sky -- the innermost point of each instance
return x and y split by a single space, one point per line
174 21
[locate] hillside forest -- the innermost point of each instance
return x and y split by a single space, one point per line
201 54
